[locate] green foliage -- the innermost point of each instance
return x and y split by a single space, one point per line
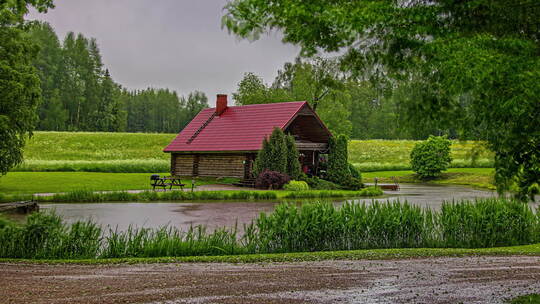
296 186
470 67
431 157
293 156
526 299
320 184
289 228
339 169
46 236
279 154
20 92
79 93
338 163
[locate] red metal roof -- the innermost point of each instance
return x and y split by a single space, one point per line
239 128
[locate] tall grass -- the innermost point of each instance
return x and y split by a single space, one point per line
314 226
86 196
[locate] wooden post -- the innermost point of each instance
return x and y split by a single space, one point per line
173 164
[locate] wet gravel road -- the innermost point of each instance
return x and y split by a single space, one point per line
433 280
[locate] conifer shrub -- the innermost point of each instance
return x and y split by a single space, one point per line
278 153
271 180
429 158
293 164
340 171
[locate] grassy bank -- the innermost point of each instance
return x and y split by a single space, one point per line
244 195
364 254
23 183
289 228
475 177
139 153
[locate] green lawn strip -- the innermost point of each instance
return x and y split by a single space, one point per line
475 177
371 254
17 183
232 195
526 299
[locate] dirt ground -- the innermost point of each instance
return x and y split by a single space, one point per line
433 280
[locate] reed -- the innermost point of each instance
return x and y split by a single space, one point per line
317 226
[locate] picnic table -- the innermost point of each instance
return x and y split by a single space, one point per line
166 181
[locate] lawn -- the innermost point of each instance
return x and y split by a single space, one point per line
142 152
383 155
476 177
15 183
52 182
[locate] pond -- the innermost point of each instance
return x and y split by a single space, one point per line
219 214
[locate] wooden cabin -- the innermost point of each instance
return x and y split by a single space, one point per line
224 141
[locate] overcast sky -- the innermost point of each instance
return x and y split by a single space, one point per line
175 44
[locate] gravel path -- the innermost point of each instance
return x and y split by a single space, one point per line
433 280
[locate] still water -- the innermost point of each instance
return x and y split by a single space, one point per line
219 214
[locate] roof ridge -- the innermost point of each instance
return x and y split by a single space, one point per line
264 104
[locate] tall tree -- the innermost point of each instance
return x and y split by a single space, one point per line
20 90
486 50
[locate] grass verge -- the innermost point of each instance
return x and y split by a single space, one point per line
370 254
121 196
526 299
475 177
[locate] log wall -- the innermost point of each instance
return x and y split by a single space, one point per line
222 165
212 165
182 165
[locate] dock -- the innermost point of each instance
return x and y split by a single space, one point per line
19 207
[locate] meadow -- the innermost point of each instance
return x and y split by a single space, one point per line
311 227
142 153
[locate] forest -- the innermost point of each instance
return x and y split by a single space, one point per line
79 94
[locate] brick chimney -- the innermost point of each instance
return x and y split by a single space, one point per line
221 104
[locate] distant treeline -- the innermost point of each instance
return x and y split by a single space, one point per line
80 95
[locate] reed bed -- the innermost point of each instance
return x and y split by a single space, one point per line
317 226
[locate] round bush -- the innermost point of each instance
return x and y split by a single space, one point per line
429 158
296 186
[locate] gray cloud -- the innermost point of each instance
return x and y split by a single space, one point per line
173 44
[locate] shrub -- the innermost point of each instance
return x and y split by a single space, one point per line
296 186
430 157
355 172
338 164
352 184
273 155
320 184
293 164
271 180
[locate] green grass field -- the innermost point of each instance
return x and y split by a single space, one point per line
476 177
17 183
142 153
